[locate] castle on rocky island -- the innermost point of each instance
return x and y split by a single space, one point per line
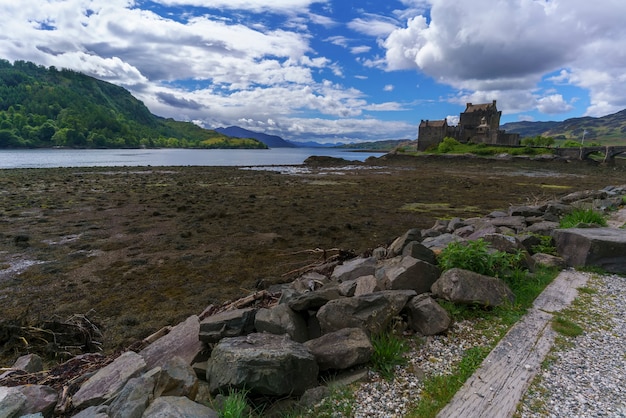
480 123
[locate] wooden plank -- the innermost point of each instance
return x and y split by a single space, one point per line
497 386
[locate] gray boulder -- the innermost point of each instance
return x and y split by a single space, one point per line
308 282
39 399
525 211
177 378
11 402
281 319
464 286
354 268
417 250
135 396
181 341
549 260
366 285
265 364
397 246
542 228
440 242
372 312
109 380
426 316
313 300
602 247
227 324
341 349
179 407
410 273
99 411
30 363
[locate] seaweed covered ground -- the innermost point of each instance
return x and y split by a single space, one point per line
137 248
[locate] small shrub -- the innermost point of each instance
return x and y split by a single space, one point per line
448 144
477 257
571 144
546 246
582 216
389 352
235 405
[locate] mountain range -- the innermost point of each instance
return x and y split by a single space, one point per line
606 130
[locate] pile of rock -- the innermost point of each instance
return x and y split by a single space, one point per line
321 322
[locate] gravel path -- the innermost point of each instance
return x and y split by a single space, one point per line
585 375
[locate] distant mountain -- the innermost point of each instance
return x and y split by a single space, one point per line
610 129
311 144
272 141
384 145
45 107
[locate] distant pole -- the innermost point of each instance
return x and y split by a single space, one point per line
583 140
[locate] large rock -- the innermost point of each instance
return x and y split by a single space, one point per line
410 273
602 247
464 286
181 341
109 380
135 396
426 316
281 319
354 268
341 349
177 378
11 401
397 246
265 364
372 312
421 252
313 300
231 323
39 399
438 243
179 407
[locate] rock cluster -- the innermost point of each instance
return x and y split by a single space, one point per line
321 321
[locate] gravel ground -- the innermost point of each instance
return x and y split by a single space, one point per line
585 376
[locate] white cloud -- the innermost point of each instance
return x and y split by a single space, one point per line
553 104
363 49
476 46
257 6
388 87
373 25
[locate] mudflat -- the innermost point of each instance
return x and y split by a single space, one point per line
138 248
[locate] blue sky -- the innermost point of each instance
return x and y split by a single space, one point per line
335 70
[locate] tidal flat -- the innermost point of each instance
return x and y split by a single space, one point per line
138 248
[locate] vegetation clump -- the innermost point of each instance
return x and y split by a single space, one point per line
581 218
477 257
388 353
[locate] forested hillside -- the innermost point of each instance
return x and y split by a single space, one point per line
41 107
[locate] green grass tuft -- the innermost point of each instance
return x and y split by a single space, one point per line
580 217
389 352
476 256
566 327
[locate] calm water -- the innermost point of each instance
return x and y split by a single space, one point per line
50 158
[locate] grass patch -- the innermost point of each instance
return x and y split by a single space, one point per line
340 403
566 327
476 256
545 246
388 353
439 390
235 405
582 217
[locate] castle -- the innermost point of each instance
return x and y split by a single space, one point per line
480 123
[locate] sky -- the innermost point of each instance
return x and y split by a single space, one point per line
335 70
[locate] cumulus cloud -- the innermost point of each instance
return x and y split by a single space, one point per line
475 46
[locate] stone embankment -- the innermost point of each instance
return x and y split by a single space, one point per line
277 343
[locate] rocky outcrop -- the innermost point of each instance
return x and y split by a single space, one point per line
602 247
466 287
321 322
265 364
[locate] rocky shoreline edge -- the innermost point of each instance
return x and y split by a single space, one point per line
275 342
